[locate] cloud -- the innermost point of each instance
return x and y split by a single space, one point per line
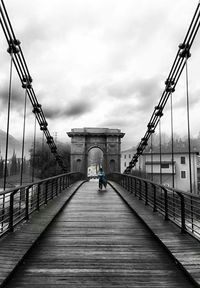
180 100
115 122
142 93
73 109
99 62
78 108
17 97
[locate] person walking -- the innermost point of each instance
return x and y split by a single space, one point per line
102 179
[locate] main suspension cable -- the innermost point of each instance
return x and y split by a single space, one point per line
26 80
170 85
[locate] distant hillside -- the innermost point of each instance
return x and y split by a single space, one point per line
14 145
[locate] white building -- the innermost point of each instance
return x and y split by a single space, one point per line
151 167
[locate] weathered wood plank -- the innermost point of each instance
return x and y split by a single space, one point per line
96 241
181 246
15 245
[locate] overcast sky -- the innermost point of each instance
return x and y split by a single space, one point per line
100 63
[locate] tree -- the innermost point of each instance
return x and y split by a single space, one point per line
44 163
13 166
18 165
1 168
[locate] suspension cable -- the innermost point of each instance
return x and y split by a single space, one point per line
8 120
151 157
160 151
172 139
26 80
23 137
34 144
170 84
188 123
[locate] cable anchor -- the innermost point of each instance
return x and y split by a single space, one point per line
185 50
13 46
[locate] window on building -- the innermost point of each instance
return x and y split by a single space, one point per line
182 159
124 164
125 156
183 174
165 165
129 155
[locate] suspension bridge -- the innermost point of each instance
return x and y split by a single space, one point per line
62 231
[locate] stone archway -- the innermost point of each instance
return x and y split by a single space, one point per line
84 139
95 160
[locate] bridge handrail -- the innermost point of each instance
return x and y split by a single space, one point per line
34 183
181 208
17 204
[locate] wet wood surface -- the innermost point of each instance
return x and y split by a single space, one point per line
97 241
184 248
15 245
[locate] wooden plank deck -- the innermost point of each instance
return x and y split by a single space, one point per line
184 248
15 245
97 241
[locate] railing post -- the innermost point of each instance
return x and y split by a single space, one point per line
135 187
3 211
131 180
38 197
52 188
122 181
154 198
67 181
60 184
140 190
27 204
166 203
46 192
56 186
183 227
11 227
127 183
146 193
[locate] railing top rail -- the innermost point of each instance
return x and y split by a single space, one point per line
169 189
29 185
183 192
143 179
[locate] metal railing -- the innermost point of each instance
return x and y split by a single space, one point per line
182 208
16 205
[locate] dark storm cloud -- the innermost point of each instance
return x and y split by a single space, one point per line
78 108
72 109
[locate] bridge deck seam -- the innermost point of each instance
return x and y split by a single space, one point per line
182 247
